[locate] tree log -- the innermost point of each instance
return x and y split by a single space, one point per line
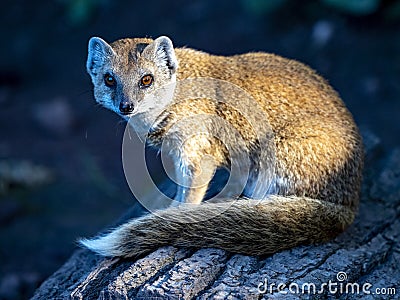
367 256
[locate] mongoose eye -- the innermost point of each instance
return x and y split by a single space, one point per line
146 80
109 80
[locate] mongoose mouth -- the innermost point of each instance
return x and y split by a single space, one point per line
125 113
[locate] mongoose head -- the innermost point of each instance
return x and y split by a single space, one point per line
131 76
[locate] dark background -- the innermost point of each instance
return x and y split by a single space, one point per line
48 116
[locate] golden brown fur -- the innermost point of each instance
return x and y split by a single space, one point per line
318 151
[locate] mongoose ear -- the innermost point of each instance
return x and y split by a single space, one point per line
162 52
98 52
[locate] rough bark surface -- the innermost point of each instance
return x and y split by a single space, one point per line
367 254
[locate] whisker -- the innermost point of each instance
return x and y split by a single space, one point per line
118 125
83 93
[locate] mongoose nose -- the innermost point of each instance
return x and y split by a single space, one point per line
126 107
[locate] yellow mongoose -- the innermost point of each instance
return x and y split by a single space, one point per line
308 192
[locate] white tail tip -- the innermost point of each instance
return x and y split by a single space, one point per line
106 245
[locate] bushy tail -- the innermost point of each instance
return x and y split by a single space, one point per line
241 226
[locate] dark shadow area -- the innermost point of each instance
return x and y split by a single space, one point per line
61 174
